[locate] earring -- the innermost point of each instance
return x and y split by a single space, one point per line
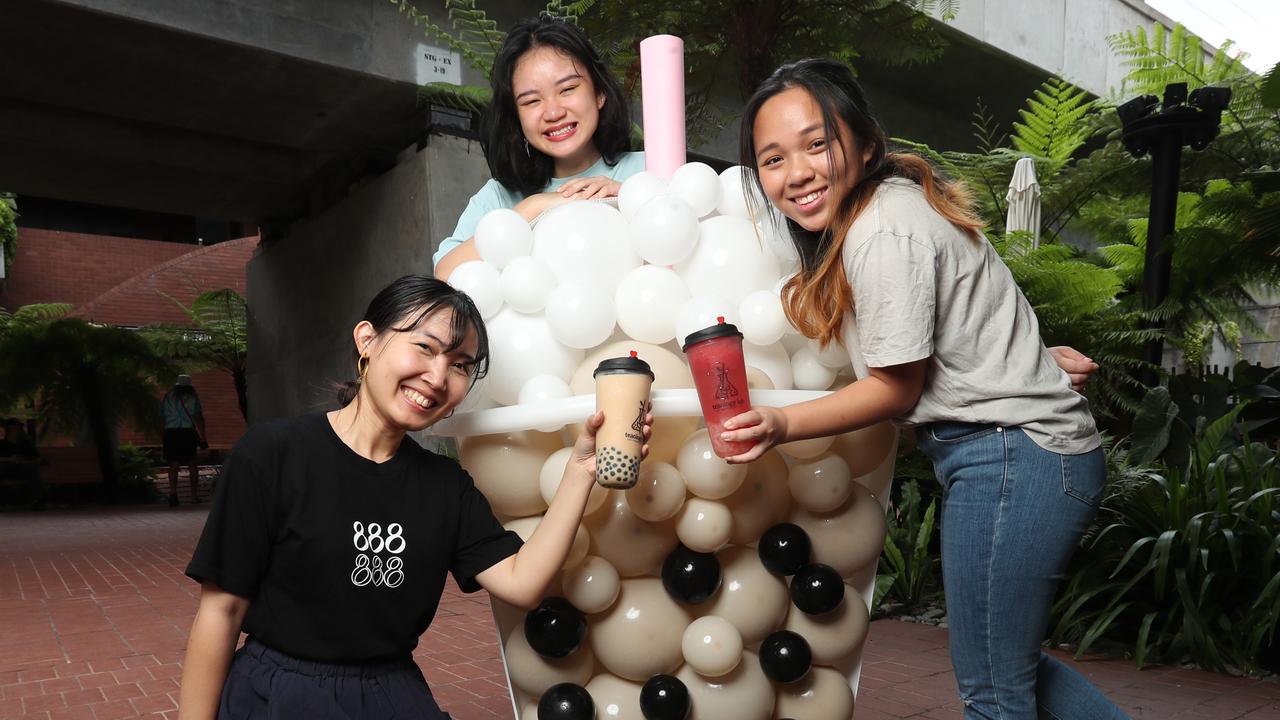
526 148
362 368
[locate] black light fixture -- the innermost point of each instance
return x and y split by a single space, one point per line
1179 120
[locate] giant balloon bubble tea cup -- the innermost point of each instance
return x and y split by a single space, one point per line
720 376
622 392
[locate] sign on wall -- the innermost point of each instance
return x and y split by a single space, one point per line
437 64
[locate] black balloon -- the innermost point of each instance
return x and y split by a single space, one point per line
566 701
817 589
785 656
664 697
555 628
784 548
691 577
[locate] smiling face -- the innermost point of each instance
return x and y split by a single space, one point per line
791 152
558 106
412 380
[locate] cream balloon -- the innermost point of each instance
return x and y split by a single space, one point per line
580 315
524 527
592 586
712 646
728 261
867 448
526 283
772 360
808 373
703 525
529 711
824 694
752 598
833 637
762 320
534 673
706 474
552 473
658 494
742 694
505 468
585 242
820 484
805 449
639 636
701 311
647 301
521 347
503 235
698 184
848 539
615 698
638 190
762 501
665 230
757 379
633 546
482 283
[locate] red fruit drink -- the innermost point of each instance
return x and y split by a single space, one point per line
720 375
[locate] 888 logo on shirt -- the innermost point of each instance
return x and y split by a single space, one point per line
371 542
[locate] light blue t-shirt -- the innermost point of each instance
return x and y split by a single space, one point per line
493 195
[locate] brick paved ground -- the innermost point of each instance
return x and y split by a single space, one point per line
94 613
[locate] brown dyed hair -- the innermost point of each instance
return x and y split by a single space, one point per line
818 297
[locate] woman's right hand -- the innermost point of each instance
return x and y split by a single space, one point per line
765 426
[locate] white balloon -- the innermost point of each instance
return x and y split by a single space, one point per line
699 185
477 398
526 283
580 315
482 282
665 230
503 235
647 301
772 360
834 355
729 261
585 242
763 321
701 311
733 201
773 228
638 190
541 388
808 373
522 347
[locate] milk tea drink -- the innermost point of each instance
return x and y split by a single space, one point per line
622 392
720 375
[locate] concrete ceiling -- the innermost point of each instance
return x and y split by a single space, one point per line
104 109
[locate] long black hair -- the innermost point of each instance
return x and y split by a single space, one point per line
817 298
511 161
402 305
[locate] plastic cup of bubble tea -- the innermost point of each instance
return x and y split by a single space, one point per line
622 392
720 375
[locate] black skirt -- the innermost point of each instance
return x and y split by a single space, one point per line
270 685
180 444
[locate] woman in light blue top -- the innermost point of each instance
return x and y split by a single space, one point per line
558 130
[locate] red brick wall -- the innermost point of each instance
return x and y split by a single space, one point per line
122 281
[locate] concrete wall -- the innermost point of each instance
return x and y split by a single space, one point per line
307 291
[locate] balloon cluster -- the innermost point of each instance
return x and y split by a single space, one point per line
708 590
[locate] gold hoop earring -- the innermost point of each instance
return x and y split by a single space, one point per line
362 368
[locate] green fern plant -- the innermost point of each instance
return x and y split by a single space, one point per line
8 229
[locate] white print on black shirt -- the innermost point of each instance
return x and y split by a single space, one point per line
370 569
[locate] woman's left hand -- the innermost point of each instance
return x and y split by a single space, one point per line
592 188
584 449
1074 363
766 426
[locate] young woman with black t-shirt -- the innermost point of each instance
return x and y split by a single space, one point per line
331 534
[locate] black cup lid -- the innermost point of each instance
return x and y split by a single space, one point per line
720 329
631 364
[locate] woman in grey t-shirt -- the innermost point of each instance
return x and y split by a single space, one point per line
895 267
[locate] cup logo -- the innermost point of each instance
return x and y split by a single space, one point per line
724 388
638 423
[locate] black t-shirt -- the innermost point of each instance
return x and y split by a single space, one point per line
342 559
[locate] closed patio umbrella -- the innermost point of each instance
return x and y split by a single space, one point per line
1024 200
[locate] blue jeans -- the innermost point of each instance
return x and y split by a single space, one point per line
1012 517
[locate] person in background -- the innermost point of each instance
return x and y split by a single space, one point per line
184 431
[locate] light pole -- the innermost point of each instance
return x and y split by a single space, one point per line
1162 128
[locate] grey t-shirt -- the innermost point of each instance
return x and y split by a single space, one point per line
922 288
